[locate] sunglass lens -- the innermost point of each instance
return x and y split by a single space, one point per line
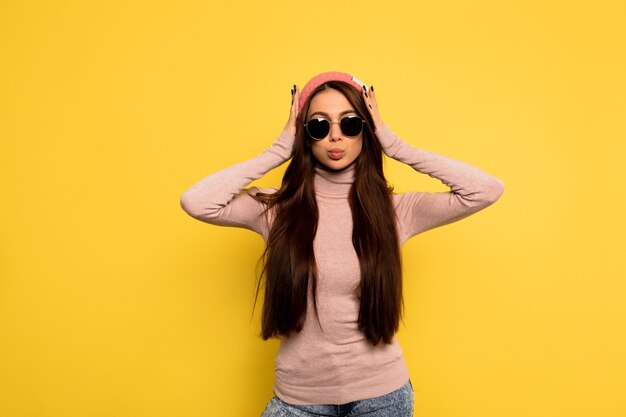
318 128
351 126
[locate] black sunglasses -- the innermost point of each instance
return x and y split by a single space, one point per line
319 128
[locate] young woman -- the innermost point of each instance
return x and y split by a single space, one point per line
333 232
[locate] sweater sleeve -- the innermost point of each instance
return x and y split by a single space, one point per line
222 199
471 189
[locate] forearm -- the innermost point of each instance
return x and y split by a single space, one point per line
206 199
471 185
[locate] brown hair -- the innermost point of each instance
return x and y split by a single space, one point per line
289 262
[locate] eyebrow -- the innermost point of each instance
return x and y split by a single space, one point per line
326 114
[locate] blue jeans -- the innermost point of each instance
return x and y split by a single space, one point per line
398 403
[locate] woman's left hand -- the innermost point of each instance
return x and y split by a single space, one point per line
370 101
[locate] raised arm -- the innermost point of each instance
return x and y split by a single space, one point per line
221 198
471 189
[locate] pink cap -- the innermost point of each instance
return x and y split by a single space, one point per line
320 79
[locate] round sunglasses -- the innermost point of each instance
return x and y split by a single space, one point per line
319 128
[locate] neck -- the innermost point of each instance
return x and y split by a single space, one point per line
334 183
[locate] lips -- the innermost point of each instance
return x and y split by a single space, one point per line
336 153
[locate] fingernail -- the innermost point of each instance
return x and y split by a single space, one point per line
372 88
366 94
370 105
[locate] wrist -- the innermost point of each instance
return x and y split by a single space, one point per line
387 139
283 146
378 125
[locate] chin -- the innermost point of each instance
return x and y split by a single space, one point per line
333 165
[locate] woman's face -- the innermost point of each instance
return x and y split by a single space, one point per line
335 151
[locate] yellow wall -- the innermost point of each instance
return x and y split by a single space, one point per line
114 302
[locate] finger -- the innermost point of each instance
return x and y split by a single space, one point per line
372 94
296 99
366 97
364 92
293 94
373 100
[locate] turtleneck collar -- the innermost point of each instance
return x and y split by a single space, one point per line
334 183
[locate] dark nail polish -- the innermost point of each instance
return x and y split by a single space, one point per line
370 105
366 94
372 88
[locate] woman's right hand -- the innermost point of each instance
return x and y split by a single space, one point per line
290 127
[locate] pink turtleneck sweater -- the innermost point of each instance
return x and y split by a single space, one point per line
338 365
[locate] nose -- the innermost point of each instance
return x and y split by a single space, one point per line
335 132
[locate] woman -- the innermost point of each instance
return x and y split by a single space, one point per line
333 232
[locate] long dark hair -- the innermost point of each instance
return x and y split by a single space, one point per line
289 262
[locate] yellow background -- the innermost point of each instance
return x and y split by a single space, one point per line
114 302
